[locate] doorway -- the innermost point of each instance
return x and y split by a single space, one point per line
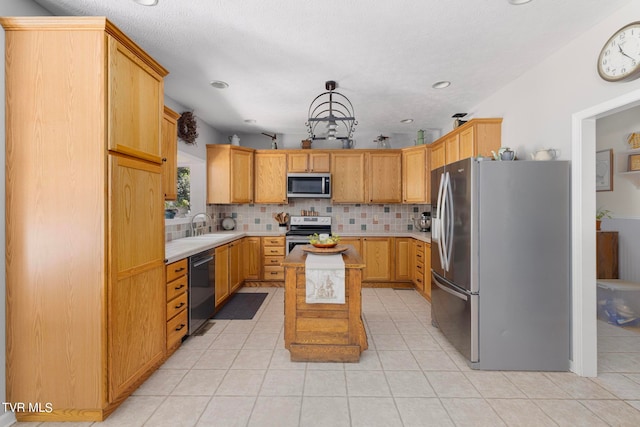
583 206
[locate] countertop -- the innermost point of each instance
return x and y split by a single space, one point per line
178 249
298 257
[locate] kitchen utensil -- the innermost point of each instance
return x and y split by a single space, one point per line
424 222
234 140
504 153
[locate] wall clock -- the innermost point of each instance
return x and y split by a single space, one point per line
619 58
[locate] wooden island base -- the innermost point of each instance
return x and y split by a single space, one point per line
323 332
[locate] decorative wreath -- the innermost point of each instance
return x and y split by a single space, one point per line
187 127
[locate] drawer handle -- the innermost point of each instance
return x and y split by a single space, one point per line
179 287
419 256
182 325
179 270
180 305
274 272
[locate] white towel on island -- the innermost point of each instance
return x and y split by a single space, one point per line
325 279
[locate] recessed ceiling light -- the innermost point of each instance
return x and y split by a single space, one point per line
518 2
406 121
441 84
219 84
250 121
147 2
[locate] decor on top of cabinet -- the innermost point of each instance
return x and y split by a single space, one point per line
383 142
458 119
600 214
234 140
274 140
604 168
305 144
545 154
187 127
504 153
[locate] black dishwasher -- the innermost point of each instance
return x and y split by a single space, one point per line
202 277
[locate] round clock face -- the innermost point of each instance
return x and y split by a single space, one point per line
620 57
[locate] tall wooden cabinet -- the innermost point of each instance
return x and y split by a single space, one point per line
85 285
170 154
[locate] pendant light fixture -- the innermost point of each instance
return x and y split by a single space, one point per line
331 116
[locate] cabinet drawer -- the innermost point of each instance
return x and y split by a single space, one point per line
273 273
176 287
275 261
176 269
176 305
273 241
272 250
176 328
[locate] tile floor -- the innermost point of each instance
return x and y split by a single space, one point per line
239 374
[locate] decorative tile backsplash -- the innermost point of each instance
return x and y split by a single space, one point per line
345 217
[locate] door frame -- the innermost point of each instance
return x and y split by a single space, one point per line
583 246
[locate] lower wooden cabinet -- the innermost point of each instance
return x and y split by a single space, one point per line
177 301
421 277
607 254
273 251
376 254
235 266
251 259
222 274
401 258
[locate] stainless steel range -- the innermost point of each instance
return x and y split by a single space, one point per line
300 227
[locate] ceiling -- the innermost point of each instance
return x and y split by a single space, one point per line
385 55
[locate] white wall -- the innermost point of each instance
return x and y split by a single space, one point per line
7 8
537 107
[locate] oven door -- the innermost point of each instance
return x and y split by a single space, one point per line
292 241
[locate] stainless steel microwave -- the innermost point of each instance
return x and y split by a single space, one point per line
309 185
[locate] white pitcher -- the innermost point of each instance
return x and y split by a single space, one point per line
234 140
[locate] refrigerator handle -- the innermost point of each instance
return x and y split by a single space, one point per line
451 291
450 220
442 207
439 220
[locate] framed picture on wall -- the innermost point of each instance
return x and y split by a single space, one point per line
604 170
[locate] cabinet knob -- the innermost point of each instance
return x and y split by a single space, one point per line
164 159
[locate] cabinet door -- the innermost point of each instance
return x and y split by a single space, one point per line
427 270
414 175
297 162
452 148
466 143
437 155
271 177
347 176
402 263
170 154
235 267
354 241
319 162
376 254
251 258
135 101
136 298
384 177
241 176
222 274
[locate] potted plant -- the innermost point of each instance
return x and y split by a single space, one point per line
601 213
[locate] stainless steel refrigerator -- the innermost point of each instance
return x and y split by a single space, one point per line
500 256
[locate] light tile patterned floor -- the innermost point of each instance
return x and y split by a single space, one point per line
239 374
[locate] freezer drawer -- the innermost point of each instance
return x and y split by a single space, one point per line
455 313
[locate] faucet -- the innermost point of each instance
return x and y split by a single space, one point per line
194 230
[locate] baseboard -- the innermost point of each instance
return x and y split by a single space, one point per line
7 419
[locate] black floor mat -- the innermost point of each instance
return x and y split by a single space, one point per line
241 306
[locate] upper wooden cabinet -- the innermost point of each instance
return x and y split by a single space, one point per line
348 177
270 177
229 174
85 325
416 175
477 137
309 161
134 86
170 154
384 176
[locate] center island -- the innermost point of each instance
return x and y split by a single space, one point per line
322 332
